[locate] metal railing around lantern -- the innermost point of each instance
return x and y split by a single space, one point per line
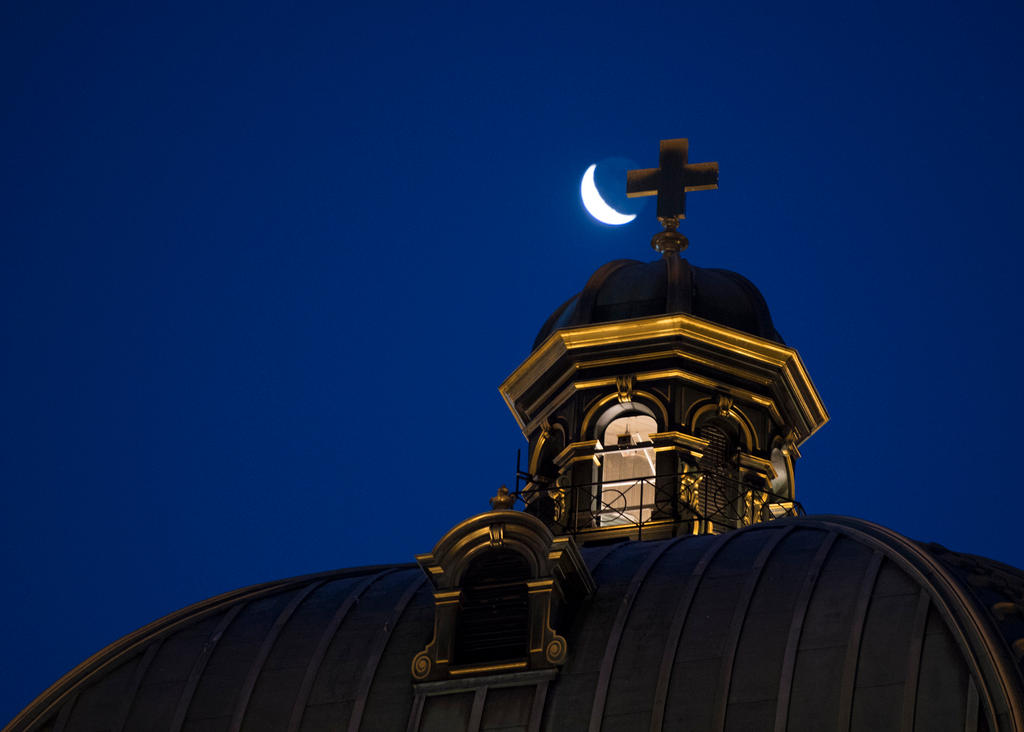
713 500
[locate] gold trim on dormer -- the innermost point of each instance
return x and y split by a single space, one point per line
557 576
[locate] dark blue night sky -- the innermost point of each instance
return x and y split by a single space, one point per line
262 269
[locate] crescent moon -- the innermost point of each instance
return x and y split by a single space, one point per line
596 205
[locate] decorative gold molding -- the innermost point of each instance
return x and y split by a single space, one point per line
745 374
758 465
618 360
652 530
491 668
578 452
724 407
732 391
564 341
643 397
670 438
756 360
624 388
546 431
663 374
497 532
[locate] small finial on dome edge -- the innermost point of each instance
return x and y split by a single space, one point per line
503 500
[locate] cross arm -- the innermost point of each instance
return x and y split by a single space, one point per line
701 177
697 177
642 183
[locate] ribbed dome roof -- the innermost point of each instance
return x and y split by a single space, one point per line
798 624
627 288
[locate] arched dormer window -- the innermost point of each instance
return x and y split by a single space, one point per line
493 624
503 586
627 469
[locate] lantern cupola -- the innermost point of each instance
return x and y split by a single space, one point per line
660 400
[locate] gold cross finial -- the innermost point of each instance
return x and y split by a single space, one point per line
670 182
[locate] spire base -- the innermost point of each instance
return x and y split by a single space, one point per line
669 240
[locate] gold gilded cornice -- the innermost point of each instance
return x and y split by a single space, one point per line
664 326
593 363
672 439
735 392
578 451
569 340
760 465
550 371
647 376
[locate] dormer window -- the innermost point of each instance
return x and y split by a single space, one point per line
627 471
493 621
503 588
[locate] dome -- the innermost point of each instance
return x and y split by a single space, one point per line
797 624
627 288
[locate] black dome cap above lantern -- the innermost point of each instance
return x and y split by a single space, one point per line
626 289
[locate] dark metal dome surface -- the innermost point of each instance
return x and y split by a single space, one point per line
627 288
799 624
